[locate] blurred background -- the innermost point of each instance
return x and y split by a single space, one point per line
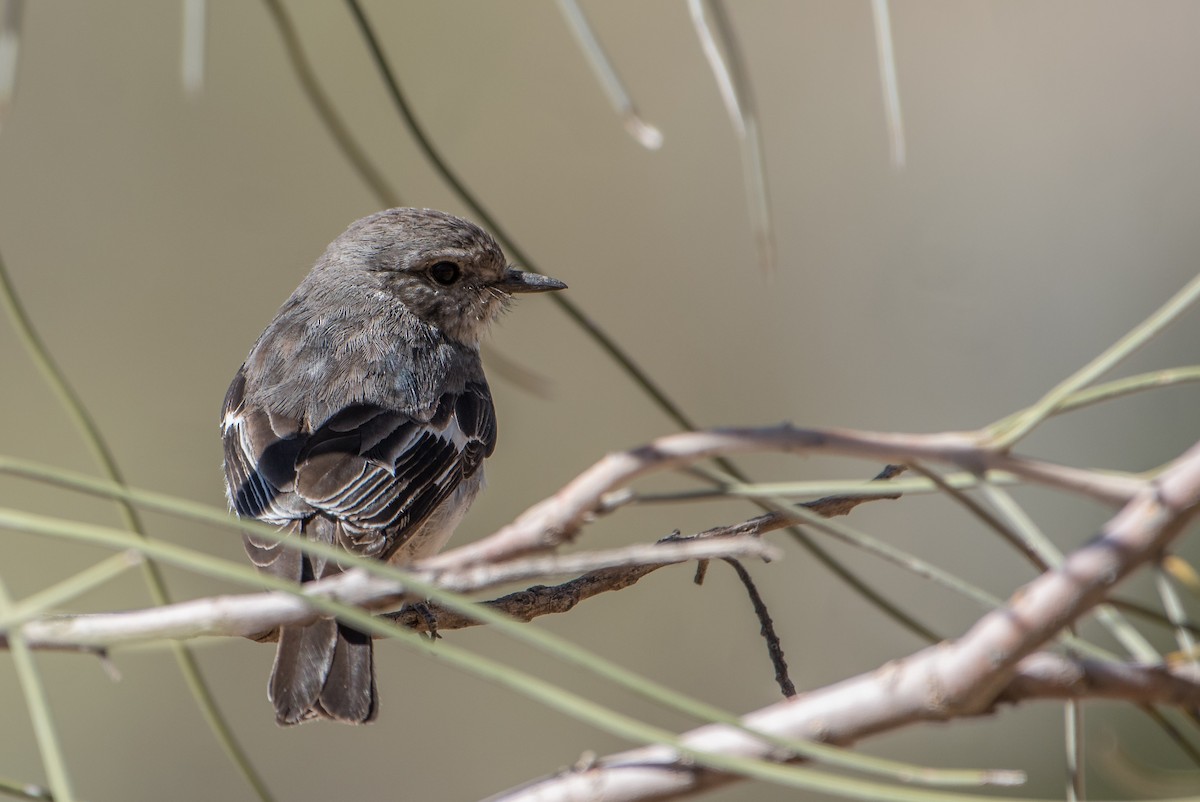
1048 203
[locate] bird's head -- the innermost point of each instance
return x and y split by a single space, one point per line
446 271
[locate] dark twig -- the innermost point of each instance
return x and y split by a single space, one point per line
832 506
526 605
767 629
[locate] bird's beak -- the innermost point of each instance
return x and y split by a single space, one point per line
515 280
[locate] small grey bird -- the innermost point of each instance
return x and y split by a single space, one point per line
361 418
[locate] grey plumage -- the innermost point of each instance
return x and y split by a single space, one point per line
361 418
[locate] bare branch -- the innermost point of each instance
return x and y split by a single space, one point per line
255 615
657 773
996 662
1052 676
712 544
993 662
559 518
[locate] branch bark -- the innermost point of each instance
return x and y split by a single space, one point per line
258 615
254 614
997 661
558 519
993 663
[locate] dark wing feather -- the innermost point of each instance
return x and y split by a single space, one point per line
381 472
260 470
377 472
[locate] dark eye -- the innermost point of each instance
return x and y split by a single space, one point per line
445 273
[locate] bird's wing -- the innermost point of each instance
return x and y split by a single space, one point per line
376 472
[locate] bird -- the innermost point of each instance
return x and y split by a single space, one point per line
361 418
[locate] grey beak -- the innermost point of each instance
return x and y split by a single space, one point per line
520 281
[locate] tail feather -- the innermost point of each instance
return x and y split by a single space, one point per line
325 670
349 692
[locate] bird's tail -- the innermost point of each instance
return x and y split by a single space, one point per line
323 670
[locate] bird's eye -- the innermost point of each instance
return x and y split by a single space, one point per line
445 273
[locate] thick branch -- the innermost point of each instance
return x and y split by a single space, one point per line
657 773
993 662
1051 676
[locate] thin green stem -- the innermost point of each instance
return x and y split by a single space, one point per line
77 410
1153 616
1015 517
1176 614
642 132
1074 743
720 47
1011 430
818 488
326 112
93 576
834 566
39 709
891 554
1119 388
1174 733
1010 535
1109 391
22 790
911 563
199 562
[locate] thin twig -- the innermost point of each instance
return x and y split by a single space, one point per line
766 629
